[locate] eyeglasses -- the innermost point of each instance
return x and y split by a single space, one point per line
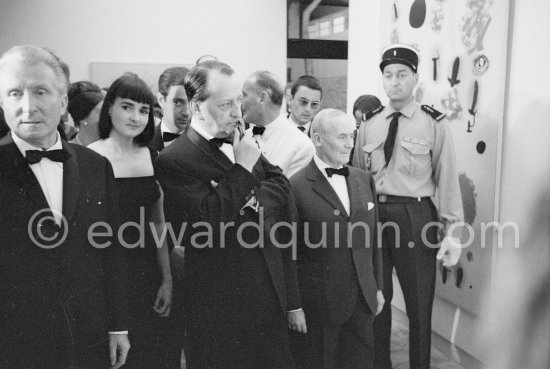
305 102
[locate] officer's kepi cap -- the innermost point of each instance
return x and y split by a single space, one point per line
399 54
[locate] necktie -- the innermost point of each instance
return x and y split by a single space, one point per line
344 171
169 136
34 156
302 128
390 139
218 142
258 130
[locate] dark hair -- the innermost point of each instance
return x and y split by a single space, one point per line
267 81
306 81
4 128
366 103
128 86
173 76
196 81
83 98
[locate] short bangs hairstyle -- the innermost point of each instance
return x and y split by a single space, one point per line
129 86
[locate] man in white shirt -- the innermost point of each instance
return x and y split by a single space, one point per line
61 289
176 115
306 94
339 266
279 140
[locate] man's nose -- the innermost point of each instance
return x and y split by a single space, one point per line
236 110
186 112
350 142
28 103
394 81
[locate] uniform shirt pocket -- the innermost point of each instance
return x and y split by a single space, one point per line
418 156
374 156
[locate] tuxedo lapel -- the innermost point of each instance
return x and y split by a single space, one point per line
324 189
15 166
71 181
213 153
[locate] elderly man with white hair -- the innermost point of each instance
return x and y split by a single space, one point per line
339 265
62 277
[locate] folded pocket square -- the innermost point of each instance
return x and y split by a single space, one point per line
370 205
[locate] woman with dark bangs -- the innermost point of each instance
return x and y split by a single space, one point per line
126 127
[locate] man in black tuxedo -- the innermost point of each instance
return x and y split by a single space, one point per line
339 265
62 278
225 194
176 115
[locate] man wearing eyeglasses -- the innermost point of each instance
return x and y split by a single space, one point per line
306 94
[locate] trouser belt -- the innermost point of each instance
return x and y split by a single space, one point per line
399 199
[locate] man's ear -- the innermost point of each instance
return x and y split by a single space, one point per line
196 109
64 104
161 99
264 96
316 138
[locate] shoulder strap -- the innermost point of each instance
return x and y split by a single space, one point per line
372 113
435 114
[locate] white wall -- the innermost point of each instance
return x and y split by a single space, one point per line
526 148
363 50
247 34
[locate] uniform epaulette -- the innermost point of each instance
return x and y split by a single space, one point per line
372 113
435 114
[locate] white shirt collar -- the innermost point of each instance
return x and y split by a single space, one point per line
23 145
322 165
201 131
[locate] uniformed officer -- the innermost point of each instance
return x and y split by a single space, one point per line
409 150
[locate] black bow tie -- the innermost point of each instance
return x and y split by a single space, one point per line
344 171
169 136
218 142
302 128
34 156
258 130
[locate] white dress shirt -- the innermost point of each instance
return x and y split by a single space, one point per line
49 174
283 145
306 126
226 148
337 182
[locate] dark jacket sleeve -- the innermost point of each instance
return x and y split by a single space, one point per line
289 255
